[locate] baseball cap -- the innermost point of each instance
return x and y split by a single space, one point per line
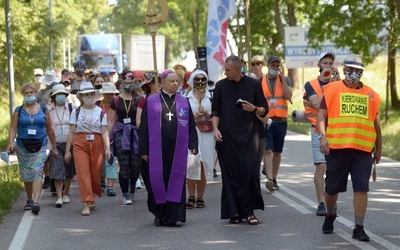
323 55
272 59
38 72
354 61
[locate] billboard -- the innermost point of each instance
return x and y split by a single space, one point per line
299 55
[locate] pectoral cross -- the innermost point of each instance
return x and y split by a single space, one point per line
169 115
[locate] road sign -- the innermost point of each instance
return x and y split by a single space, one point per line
299 55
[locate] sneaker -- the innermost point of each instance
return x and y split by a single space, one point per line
321 209
59 202
327 227
46 183
275 184
270 185
111 192
126 200
359 233
102 186
138 184
65 199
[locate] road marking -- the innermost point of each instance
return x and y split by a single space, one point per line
340 219
22 232
348 237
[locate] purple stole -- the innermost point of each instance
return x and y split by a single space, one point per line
179 164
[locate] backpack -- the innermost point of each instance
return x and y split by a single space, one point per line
43 109
78 109
135 102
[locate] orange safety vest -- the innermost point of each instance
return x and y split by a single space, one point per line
311 112
277 104
351 115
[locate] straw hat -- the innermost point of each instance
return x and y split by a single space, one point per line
109 88
257 58
86 87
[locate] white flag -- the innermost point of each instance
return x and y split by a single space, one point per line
219 12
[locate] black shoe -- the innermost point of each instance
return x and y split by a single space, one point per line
275 184
46 182
359 233
35 208
215 173
158 222
103 186
327 227
321 209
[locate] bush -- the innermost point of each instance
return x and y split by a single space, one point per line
10 187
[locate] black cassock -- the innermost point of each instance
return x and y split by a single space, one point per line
170 212
239 149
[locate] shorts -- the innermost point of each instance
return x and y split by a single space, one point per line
342 162
276 136
318 156
110 171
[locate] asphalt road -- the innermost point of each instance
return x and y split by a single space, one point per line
287 222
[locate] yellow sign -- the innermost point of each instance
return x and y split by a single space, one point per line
354 105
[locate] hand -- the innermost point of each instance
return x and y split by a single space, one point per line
201 109
217 136
281 71
108 154
193 151
145 157
67 157
55 153
324 145
10 148
377 155
247 106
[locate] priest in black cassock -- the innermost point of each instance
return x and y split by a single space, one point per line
237 99
167 133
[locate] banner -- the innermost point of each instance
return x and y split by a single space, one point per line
219 12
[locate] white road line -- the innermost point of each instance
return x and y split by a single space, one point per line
340 219
359 244
22 232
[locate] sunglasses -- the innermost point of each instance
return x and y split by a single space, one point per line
200 79
257 63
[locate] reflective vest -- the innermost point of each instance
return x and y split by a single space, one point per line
311 112
277 104
351 115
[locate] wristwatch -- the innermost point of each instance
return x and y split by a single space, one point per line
255 109
320 136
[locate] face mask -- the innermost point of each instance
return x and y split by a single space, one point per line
60 99
79 72
273 72
353 76
129 88
29 99
98 86
200 87
89 100
38 79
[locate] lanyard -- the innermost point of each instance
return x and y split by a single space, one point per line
62 117
127 108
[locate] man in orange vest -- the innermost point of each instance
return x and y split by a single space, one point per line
349 130
277 91
312 99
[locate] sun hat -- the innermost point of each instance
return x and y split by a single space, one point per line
354 61
272 59
194 74
38 72
58 88
323 55
257 58
179 65
108 88
86 87
50 76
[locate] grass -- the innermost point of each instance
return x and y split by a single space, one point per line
10 187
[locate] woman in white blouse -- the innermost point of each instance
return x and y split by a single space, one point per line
61 172
88 131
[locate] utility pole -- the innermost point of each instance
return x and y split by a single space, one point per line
10 59
51 33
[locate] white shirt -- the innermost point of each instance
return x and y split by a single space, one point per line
88 120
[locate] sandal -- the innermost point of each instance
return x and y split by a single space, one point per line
85 211
35 208
190 203
252 220
200 203
235 220
92 205
28 205
111 192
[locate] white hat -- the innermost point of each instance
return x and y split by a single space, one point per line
354 61
194 74
38 72
59 88
50 76
108 88
323 55
86 87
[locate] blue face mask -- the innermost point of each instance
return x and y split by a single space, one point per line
29 99
60 99
273 72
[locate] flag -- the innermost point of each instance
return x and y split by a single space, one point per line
219 12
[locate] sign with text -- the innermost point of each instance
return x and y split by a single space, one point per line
299 55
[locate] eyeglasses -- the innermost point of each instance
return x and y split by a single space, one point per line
200 79
257 63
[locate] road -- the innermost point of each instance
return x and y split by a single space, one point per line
287 222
